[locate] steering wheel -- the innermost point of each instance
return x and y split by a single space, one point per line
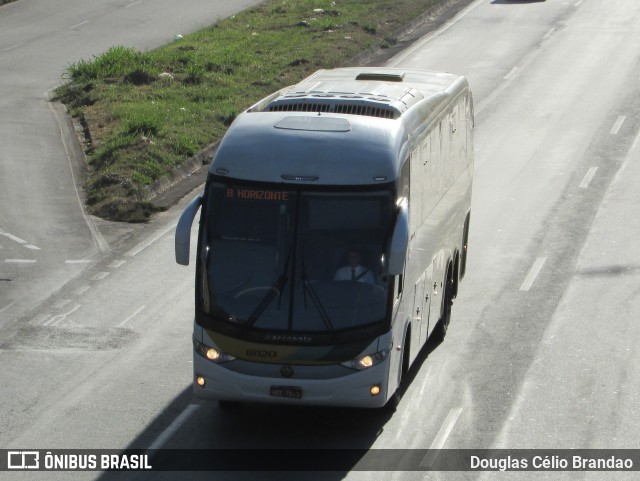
254 289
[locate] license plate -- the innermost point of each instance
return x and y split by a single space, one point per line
289 392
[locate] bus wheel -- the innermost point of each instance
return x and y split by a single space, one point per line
442 326
394 400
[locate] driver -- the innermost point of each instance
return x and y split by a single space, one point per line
354 271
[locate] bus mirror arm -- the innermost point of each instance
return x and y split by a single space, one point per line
183 231
399 240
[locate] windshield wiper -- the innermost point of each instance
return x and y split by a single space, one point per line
276 288
316 300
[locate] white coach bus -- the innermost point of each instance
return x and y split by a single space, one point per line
333 237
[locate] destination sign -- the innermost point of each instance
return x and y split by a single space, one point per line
255 194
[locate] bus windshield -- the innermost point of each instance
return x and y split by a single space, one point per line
294 261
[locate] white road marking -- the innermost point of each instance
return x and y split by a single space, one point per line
143 245
511 74
57 319
134 3
533 273
6 49
20 261
19 240
116 264
174 426
588 177
578 3
616 127
441 437
77 25
77 261
8 306
131 316
14 238
82 290
635 144
549 33
99 276
40 319
426 383
61 303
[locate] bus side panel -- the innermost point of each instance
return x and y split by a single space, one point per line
441 173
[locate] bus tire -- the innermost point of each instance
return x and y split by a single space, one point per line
442 326
394 400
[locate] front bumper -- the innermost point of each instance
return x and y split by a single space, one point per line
353 390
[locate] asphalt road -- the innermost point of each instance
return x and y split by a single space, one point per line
544 340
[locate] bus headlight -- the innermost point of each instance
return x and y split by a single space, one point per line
369 360
213 354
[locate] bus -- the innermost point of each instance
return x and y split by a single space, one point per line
332 238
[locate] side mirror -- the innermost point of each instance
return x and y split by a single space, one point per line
399 241
183 231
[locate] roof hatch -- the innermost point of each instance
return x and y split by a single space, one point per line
381 76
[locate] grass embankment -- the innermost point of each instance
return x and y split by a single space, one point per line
146 112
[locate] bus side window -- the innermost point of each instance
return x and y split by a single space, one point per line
404 191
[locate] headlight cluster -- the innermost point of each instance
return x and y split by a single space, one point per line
211 353
365 362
